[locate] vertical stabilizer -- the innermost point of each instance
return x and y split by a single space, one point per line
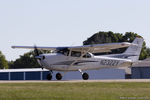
134 51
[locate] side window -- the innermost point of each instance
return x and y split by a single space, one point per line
64 52
75 54
87 56
78 54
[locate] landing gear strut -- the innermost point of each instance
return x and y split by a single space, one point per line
49 76
85 76
58 76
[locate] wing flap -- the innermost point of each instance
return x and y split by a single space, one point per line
32 47
97 48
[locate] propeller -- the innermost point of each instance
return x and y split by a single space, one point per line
37 53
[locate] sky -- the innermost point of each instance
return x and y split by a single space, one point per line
67 22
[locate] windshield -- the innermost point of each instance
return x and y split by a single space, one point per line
64 51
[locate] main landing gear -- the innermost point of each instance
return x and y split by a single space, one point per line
85 76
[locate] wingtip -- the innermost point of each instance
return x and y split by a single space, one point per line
139 37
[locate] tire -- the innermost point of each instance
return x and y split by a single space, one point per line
85 76
58 76
49 77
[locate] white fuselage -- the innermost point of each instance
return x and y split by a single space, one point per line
60 62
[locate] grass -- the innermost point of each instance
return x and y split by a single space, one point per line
75 91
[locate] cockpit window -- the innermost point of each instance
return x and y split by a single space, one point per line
64 51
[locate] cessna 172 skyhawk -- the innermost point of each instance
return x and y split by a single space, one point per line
81 58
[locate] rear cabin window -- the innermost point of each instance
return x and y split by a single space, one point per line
87 56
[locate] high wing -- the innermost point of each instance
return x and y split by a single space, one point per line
95 48
32 47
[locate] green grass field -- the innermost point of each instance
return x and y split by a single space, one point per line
75 91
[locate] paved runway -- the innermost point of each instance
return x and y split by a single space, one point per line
77 81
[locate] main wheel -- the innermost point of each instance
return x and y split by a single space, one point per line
49 76
58 76
85 76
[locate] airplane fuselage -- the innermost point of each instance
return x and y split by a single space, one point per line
60 62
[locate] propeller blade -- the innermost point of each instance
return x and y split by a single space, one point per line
36 51
39 58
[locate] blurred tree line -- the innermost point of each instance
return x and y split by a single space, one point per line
25 61
28 61
3 61
109 37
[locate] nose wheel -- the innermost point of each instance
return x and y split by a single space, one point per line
58 76
49 76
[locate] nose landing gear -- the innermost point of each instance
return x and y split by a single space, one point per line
49 76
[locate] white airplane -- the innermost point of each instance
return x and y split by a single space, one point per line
81 58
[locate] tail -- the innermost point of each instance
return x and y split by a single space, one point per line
134 51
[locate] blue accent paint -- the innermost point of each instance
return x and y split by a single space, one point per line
70 62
